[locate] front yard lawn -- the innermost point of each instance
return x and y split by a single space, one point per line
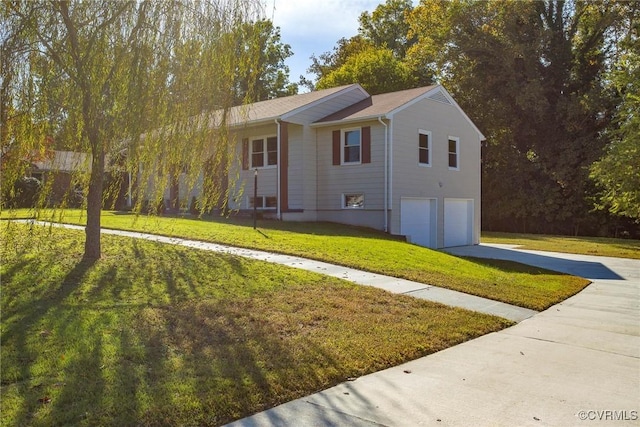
155 334
360 248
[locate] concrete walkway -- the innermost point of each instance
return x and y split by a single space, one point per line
577 363
391 284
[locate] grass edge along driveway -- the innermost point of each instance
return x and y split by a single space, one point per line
156 334
595 246
360 248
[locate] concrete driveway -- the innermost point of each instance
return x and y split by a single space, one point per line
577 363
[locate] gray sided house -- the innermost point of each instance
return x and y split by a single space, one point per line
405 162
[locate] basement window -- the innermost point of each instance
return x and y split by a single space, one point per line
353 201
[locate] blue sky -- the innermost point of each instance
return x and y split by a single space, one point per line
313 27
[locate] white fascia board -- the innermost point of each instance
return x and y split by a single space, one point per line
251 123
373 117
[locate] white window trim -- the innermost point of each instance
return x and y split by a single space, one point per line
264 202
265 154
457 140
429 148
342 145
353 193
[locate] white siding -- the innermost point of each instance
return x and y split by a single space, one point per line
411 180
296 178
241 181
310 170
336 180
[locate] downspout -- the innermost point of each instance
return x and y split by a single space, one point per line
386 175
391 161
278 211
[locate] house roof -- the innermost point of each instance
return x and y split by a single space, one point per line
278 108
366 107
377 105
387 104
65 161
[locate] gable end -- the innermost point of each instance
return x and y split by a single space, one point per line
440 97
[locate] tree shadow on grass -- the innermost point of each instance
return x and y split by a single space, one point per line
512 266
197 362
20 340
237 363
82 354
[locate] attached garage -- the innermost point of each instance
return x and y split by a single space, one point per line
458 222
418 221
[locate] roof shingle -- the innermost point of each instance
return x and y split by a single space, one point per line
274 108
377 105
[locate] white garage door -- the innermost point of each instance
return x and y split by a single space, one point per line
418 221
458 222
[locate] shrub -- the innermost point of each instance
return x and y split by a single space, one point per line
27 190
193 208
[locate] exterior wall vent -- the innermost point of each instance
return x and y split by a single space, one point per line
440 97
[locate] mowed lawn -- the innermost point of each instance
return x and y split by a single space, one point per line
155 334
599 246
360 248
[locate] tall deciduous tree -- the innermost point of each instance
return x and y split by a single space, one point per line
124 78
617 173
387 26
380 47
267 77
328 62
376 69
530 74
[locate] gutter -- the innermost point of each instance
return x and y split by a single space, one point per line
386 175
343 121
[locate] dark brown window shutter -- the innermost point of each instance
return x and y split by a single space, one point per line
336 147
366 144
245 154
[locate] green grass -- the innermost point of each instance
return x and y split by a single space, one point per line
156 334
600 246
364 249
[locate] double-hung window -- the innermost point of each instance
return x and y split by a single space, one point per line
424 148
264 152
351 146
454 153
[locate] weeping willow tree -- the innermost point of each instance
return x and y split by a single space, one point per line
130 83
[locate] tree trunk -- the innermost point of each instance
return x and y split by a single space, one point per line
92 247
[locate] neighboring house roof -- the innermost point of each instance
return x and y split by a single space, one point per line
65 161
387 104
